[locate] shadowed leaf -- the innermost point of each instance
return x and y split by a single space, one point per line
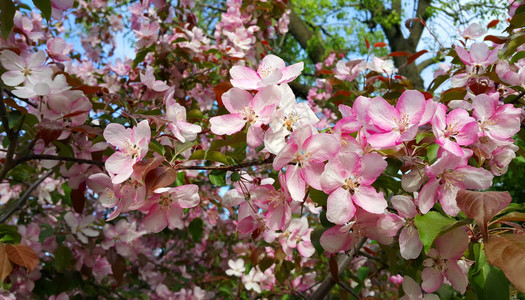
22 255
507 251
5 264
482 206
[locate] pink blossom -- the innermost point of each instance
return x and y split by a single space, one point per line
132 146
409 243
455 129
348 71
176 115
80 227
413 290
479 56
244 109
308 151
448 175
444 262
148 79
398 124
499 123
473 31
272 70
57 49
297 235
167 210
348 178
21 69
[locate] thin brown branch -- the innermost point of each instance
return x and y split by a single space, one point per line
55 157
21 201
267 160
342 263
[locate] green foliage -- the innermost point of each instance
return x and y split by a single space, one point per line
7 13
431 225
488 281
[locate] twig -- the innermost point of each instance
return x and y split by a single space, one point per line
346 288
24 197
267 160
63 158
342 264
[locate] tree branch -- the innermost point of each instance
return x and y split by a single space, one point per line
303 34
426 63
62 158
24 197
267 160
342 263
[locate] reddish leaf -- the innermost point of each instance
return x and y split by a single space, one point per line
367 44
87 89
514 216
496 39
22 255
414 56
146 165
325 72
220 89
427 95
78 198
398 53
14 105
493 23
334 268
118 266
507 251
76 113
5 264
159 177
409 23
380 44
91 131
482 206
49 131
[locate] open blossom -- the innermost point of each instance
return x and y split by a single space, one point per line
409 242
236 267
81 228
148 79
272 70
398 123
479 56
445 262
348 178
244 109
455 129
499 123
297 235
168 208
132 146
448 175
308 151
290 116
176 115
24 69
413 291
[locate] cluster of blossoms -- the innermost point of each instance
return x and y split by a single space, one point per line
128 157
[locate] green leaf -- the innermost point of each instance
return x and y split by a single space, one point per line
235 176
141 55
218 178
210 155
488 281
393 166
45 232
432 152
318 197
196 229
62 258
157 147
44 6
324 220
266 263
7 13
9 234
431 225
422 135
